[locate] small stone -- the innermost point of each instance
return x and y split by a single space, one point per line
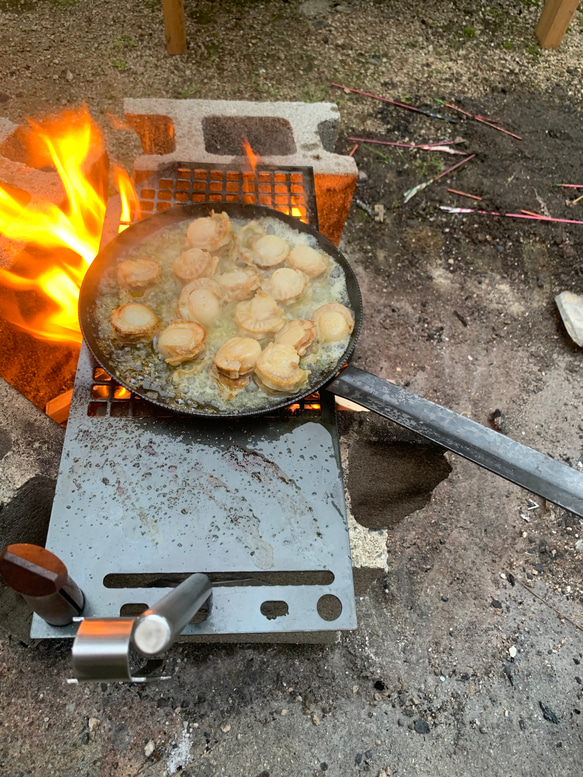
362 176
399 722
548 714
513 651
93 723
69 76
355 689
239 737
377 742
421 726
445 598
225 728
522 724
358 759
315 719
149 749
571 310
579 546
482 730
283 712
496 604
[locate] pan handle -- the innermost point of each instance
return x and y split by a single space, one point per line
524 466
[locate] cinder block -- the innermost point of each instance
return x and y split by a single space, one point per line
210 131
30 452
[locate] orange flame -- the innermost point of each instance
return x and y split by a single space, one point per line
253 158
130 203
61 241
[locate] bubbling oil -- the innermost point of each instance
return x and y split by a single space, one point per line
190 385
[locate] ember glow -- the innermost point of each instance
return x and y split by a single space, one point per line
61 241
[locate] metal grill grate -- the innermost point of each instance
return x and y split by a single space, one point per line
109 399
288 190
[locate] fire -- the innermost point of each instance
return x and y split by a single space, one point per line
61 241
253 161
253 158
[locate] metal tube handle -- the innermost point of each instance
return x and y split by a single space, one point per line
159 626
524 466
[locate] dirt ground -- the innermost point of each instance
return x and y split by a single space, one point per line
468 653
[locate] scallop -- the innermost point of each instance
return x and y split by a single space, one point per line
135 322
213 233
309 261
195 263
228 387
299 333
269 251
138 274
181 341
285 285
200 300
259 317
248 236
239 284
236 358
278 368
334 322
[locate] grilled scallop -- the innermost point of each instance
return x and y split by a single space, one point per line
213 233
299 333
200 300
195 263
285 285
248 236
239 284
138 274
236 358
334 322
278 368
228 387
258 317
268 252
307 260
135 322
181 341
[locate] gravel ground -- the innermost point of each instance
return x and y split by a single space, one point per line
468 653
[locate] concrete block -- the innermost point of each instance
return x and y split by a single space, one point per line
30 452
283 134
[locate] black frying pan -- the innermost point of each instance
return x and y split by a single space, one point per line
522 465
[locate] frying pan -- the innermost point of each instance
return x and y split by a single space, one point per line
513 461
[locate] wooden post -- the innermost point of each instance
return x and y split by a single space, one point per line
174 23
554 20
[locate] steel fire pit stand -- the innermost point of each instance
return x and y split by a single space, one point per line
257 505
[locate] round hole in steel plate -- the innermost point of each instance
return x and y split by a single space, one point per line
329 607
273 610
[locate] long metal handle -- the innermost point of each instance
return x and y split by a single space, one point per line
159 626
524 466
